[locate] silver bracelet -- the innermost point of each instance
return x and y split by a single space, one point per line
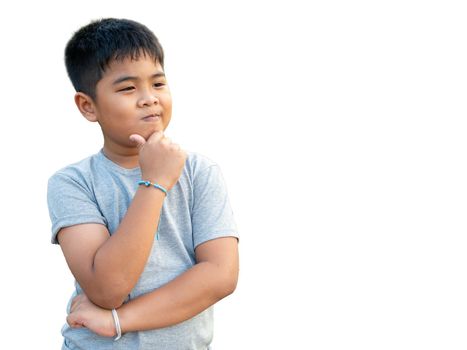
117 324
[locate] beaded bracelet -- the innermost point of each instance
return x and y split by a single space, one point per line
149 183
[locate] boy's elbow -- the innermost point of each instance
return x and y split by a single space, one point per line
230 288
228 283
109 303
111 298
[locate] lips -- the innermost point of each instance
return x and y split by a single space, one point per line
152 118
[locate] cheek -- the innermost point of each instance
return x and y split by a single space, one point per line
121 105
119 109
166 102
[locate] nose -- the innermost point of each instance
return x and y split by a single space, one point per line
148 99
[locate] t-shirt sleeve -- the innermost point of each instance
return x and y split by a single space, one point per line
70 203
212 215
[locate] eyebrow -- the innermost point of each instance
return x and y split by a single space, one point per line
129 77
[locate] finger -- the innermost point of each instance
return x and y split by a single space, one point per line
138 140
73 322
156 135
74 303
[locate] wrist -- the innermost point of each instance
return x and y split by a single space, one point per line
156 180
118 329
148 183
122 315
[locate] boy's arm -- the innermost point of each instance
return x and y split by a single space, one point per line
213 277
108 267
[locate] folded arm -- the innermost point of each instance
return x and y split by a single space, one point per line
108 267
213 277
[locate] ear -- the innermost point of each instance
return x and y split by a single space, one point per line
86 106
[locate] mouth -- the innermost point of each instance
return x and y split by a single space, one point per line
152 118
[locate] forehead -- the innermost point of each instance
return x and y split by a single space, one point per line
142 67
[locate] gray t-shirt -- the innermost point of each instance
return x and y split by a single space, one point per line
196 209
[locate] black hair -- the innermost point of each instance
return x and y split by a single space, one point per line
92 48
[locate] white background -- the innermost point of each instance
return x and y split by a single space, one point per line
340 128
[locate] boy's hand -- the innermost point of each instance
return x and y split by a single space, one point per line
84 313
161 160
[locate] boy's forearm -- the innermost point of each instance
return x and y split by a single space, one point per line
119 262
179 300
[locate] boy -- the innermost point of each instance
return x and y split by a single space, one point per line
145 227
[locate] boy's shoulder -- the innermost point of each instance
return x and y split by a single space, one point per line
198 162
77 169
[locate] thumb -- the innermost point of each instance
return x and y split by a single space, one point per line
156 135
138 140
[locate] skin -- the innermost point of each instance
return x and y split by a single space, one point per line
211 279
108 267
118 108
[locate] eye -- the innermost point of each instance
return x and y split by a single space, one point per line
128 88
157 85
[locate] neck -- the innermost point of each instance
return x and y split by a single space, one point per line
126 157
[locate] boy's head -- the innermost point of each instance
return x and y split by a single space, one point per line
116 67
94 46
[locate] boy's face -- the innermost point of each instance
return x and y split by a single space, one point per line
132 98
